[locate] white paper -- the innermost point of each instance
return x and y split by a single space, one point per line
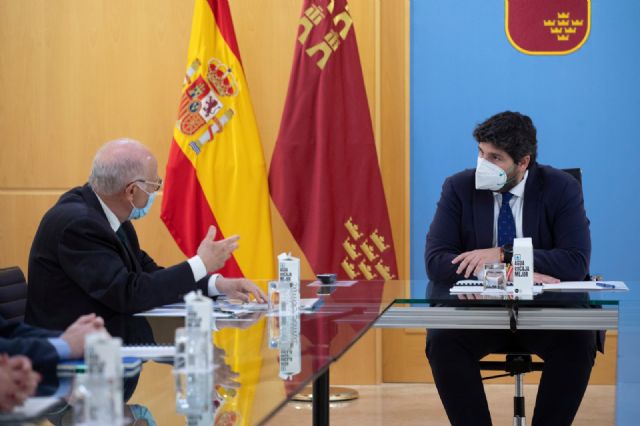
180 313
147 352
335 284
587 286
32 407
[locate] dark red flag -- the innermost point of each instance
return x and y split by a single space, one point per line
324 174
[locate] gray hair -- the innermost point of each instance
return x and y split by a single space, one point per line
116 164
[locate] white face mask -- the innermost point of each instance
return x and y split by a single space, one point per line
489 176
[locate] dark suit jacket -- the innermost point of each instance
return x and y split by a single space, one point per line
21 339
553 216
78 265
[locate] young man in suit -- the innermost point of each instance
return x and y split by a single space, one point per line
480 211
86 257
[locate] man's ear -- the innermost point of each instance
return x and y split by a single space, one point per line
524 162
128 190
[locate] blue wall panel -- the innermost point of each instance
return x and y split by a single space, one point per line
586 107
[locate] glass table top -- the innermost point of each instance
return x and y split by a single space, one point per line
262 360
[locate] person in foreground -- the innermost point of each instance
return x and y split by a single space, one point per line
479 214
86 257
27 354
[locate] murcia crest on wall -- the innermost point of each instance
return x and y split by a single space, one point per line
547 27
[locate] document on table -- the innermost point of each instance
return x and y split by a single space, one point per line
176 312
476 286
148 351
306 304
587 286
32 408
334 284
225 308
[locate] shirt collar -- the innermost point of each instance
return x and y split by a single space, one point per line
111 216
518 190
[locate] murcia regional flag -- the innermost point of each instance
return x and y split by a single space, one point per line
324 176
547 27
216 173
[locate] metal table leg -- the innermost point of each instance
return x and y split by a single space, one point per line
321 400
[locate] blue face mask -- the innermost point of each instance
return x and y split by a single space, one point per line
137 212
142 412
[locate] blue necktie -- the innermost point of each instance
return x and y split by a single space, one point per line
506 223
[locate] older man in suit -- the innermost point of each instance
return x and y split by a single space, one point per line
480 211
86 257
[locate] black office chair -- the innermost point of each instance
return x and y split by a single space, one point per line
517 364
13 294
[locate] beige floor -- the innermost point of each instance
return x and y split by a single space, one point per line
418 404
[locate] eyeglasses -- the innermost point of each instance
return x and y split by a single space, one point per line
154 185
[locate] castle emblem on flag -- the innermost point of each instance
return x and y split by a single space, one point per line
202 110
323 48
370 248
547 27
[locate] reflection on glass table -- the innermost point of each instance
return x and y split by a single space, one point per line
263 359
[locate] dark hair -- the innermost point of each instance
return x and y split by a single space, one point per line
511 132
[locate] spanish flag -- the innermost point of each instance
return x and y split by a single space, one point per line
216 175
324 174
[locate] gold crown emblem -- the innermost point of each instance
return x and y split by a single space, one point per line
563 15
548 22
350 249
220 77
556 30
570 30
378 240
368 251
563 37
384 271
577 22
563 23
366 270
353 229
349 268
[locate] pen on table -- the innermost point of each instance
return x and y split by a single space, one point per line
605 285
223 311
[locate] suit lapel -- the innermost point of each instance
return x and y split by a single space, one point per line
483 218
126 246
532 204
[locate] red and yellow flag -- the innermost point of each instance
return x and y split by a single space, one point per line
216 173
324 174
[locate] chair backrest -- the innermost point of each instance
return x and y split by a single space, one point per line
576 173
13 294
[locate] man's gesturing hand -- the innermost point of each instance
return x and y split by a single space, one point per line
215 253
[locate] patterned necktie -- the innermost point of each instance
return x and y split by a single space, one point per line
506 223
